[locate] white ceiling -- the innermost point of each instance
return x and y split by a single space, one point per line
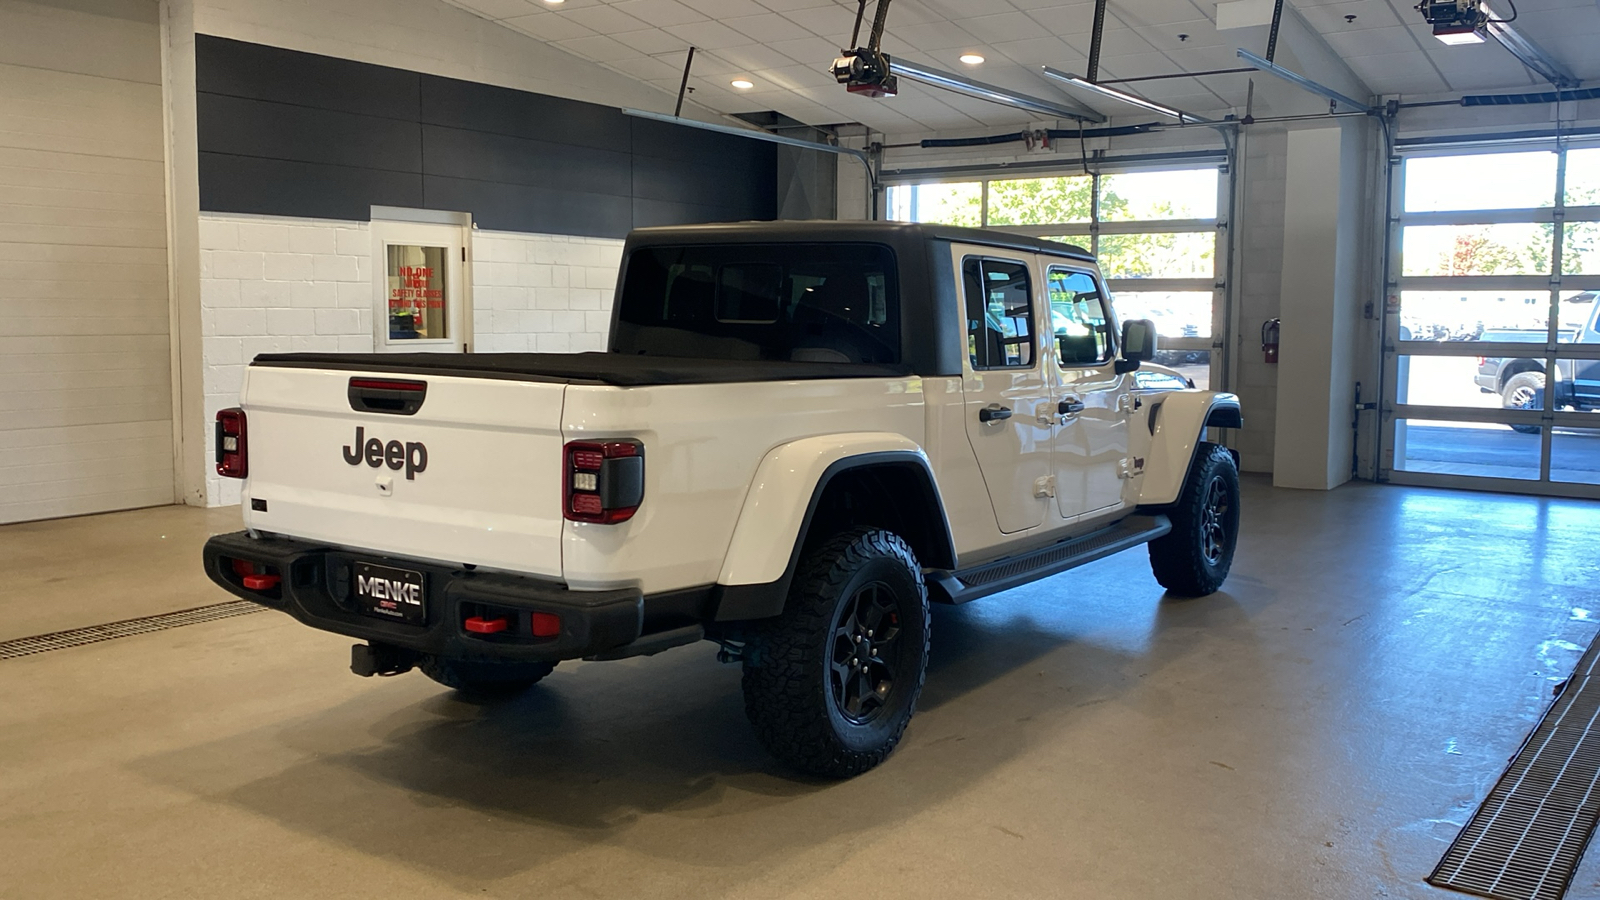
784 47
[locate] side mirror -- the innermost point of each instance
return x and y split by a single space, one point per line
1138 344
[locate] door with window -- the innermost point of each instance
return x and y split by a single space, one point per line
1092 440
420 301
1009 412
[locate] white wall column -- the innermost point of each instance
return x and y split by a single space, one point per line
1322 285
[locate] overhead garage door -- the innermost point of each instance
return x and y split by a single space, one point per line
85 375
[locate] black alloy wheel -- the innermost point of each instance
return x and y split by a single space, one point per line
866 653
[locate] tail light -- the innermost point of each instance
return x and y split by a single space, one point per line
232 456
604 481
1482 360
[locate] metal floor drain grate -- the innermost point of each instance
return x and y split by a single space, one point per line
94 634
1525 841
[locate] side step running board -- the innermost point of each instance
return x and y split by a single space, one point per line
1013 571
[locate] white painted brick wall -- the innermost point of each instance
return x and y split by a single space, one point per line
1260 280
272 285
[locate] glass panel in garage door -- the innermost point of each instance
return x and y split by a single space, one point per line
1505 248
1190 254
1172 194
1177 314
945 204
1521 180
1041 201
1466 448
1575 455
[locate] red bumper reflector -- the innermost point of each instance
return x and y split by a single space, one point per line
546 624
261 582
480 625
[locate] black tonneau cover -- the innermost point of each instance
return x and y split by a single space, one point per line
590 368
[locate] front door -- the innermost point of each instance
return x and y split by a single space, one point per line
1009 424
1091 443
419 275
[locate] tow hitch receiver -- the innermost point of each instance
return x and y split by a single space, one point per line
368 660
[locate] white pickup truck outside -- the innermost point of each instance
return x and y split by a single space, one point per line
801 434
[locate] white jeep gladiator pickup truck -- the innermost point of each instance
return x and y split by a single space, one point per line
802 434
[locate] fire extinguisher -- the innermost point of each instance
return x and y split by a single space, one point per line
1269 340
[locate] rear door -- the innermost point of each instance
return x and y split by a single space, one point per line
1008 421
472 475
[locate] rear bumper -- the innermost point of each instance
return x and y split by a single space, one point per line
315 587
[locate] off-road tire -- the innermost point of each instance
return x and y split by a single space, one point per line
1193 559
795 693
1524 390
484 679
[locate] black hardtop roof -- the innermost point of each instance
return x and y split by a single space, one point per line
827 230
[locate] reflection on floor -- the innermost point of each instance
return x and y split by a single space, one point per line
1321 728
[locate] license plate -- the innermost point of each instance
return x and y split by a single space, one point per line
391 593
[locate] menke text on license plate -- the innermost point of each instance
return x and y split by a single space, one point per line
391 593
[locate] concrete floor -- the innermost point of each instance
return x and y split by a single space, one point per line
1321 728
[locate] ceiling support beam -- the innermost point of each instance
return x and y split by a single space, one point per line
1527 52
959 84
1296 78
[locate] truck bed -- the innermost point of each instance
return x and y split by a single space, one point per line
581 368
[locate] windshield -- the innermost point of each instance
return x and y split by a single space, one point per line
836 303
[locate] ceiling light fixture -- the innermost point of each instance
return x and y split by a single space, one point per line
1123 96
1455 22
743 84
555 2
972 59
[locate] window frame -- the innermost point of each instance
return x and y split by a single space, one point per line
1108 312
1033 309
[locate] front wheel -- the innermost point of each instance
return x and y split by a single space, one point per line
1524 390
1193 559
830 684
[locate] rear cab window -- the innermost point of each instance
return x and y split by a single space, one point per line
999 312
822 302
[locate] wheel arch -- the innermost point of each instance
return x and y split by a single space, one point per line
802 494
1177 430
1514 368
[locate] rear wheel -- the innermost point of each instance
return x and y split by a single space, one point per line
830 684
485 679
1524 390
1193 559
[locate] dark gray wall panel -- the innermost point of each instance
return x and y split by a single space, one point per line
234 184
662 212
497 110
278 131
294 134
238 69
511 160
516 207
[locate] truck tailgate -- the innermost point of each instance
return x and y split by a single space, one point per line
473 476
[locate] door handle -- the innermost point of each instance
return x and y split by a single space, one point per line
994 412
1070 406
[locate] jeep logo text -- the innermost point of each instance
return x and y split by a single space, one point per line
411 456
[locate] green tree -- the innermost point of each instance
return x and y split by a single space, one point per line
1047 201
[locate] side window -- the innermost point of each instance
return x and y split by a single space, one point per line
1078 318
1000 333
